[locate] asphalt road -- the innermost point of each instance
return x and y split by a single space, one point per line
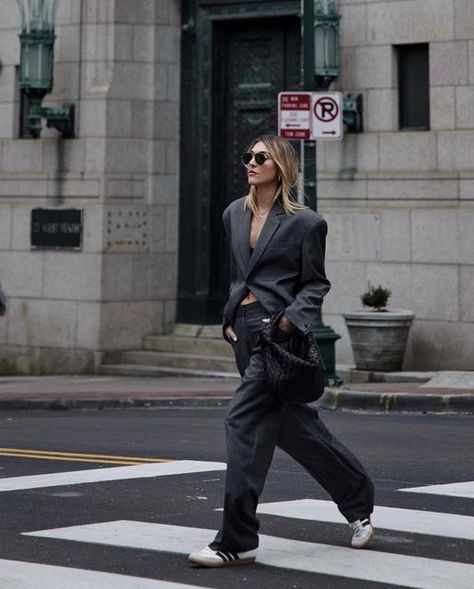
399 451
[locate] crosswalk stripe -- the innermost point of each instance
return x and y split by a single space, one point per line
80 477
367 565
29 575
465 489
389 518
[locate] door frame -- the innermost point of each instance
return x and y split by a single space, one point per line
195 302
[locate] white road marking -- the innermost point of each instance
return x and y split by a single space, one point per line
389 518
96 475
368 565
26 575
452 489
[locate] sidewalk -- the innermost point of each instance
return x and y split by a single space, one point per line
100 392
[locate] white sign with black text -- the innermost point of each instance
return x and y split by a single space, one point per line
310 115
327 115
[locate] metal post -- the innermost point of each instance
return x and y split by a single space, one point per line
325 336
308 45
309 173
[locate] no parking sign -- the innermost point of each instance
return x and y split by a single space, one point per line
310 115
327 112
294 115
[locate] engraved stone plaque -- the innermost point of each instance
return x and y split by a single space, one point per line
56 229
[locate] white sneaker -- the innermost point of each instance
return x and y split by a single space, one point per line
207 557
363 533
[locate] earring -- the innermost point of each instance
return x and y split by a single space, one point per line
278 178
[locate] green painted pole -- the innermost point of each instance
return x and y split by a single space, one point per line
325 336
309 82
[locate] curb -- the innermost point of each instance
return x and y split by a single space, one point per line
333 400
98 404
337 399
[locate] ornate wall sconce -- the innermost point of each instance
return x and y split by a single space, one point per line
36 67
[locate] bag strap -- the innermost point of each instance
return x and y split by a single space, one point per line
275 320
268 332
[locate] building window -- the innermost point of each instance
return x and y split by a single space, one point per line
414 87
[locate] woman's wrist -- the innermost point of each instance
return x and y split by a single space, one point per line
229 333
286 325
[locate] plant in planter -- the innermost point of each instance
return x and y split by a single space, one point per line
377 298
378 335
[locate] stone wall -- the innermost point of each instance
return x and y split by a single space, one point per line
400 205
118 61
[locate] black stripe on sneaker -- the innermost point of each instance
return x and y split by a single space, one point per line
365 522
222 555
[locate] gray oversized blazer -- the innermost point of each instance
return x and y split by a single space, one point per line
286 269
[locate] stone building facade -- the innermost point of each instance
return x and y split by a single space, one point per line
399 203
118 61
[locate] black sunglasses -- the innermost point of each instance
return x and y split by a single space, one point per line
260 157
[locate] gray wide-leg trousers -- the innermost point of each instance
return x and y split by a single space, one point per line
256 423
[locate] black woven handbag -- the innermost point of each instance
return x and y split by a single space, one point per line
295 375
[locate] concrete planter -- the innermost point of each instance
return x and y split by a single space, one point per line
379 338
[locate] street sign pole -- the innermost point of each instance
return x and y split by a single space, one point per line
309 146
324 335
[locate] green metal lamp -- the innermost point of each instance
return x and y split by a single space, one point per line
326 42
326 59
36 66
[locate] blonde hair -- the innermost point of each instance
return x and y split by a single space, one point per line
286 161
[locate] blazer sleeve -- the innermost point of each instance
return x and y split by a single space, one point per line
314 285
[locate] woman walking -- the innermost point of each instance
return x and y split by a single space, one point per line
277 264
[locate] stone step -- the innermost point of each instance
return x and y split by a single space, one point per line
178 360
205 331
188 345
144 370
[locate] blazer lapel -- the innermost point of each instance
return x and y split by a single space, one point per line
271 225
241 239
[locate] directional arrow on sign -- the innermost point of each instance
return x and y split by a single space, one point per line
327 115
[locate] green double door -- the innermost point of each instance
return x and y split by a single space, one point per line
232 71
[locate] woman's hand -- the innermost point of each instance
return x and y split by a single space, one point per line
286 325
230 333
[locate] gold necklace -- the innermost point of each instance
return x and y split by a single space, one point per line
261 215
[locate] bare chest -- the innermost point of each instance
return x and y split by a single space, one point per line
256 226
